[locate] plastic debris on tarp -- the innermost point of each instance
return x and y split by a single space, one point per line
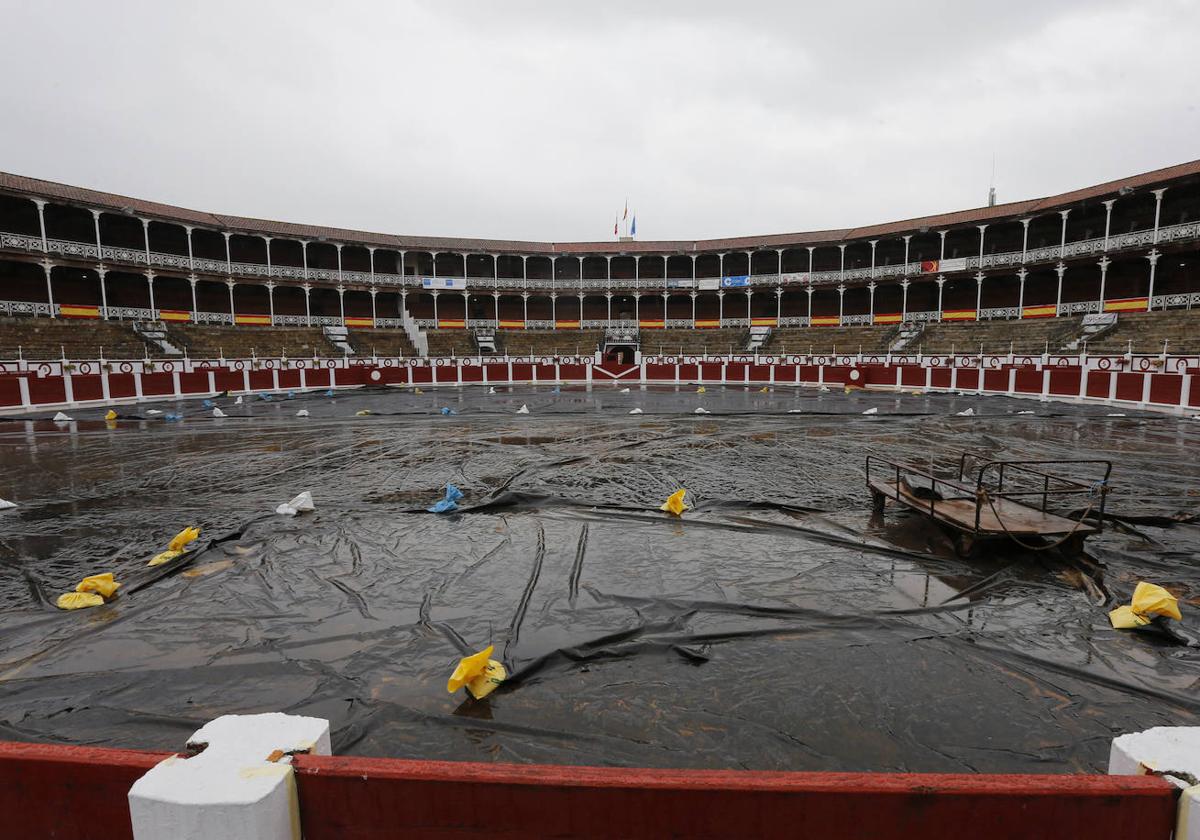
290 395
764 390
871 411
491 390
635 411
823 389
556 390
524 409
966 412
675 504
1114 415
6 505
206 404
238 401
302 412
795 411
329 393
363 413
701 410
112 415
479 673
418 391
265 397
62 418
218 413
153 412
78 600
447 411
177 546
1149 600
172 418
700 390
624 390
449 502
300 504
1026 412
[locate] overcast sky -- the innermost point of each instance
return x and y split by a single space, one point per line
535 120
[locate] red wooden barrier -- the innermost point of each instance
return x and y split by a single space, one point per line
69 793
364 799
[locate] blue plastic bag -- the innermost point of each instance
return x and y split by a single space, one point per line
448 412
453 494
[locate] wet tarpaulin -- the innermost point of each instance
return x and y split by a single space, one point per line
778 625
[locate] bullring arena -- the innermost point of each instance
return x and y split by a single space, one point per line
162 368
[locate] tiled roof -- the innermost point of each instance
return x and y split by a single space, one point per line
34 187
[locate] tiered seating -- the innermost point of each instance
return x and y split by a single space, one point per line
1027 336
693 342
382 343
831 339
204 342
549 342
1147 330
451 343
44 338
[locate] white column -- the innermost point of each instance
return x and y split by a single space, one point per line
982 228
271 300
941 282
842 268
339 253
693 297
150 285
101 270
978 294
608 297
907 240
1062 243
904 284
778 305
307 310
874 242
720 307
553 309
99 246
1104 264
1025 238
191 259
267 239
232 314
1158 194
871 289
228 262
146 241
1021 275
666 295
374 292
304 257
342 294
1153 257
811 248
779 265
841 299
1061 268
435 309
195 309
47 269
525 308
1108 206
942 251
809 290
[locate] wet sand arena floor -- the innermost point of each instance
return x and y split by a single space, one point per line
778 626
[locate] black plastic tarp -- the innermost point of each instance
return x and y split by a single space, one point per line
779 625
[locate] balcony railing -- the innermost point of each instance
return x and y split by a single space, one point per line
138 257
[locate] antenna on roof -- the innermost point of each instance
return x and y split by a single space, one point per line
992 186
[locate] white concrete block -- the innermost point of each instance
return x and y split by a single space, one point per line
230 788
1162 750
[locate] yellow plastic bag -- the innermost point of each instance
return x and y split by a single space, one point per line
181 540
363 413
418 391
700 390
78 600
112 415
1149 599
675 504
478 673
103 585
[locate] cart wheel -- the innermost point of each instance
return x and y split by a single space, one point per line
965 545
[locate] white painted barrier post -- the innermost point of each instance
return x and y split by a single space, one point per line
1172 752
239 786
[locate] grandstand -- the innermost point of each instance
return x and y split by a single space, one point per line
80 269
